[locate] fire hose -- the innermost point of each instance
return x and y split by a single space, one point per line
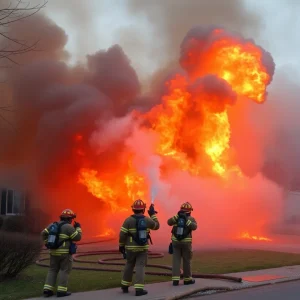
114 261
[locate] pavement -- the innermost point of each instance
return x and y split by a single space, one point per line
165 290
288 291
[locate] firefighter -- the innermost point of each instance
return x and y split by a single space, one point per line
183 225
133 244
61 253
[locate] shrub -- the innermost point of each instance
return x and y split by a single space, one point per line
33 222
17 252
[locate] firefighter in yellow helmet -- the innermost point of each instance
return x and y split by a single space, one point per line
133 244
59 238
183 225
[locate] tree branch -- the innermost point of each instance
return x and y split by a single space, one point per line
9 15
35 10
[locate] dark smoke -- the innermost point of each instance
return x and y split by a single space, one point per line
214 91
53 104
111 72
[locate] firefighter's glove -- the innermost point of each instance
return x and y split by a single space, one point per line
76 225
151 210
182 214
122 249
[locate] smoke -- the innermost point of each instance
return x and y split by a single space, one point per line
215 92
147 163
170 21
54 105
73 117
110 133
223 211
112 74
281 154
106 23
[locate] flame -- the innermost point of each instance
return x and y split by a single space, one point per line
111 190
133 183
183 139
247 236
218 128
106 233
187 128
97 187
193 127
240 66
238 62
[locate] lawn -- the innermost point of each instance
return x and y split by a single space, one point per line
30 282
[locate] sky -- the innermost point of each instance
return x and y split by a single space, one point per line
100 24
281 18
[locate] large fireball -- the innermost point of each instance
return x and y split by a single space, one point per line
192 123
191 126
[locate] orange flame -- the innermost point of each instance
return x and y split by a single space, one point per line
247 236
185 140
188 131
106 233
240 66
240 63
191 133
112 190
98 188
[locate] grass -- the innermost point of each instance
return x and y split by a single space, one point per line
30 282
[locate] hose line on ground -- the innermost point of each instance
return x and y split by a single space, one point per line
114 261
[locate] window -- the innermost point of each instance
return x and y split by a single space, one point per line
19 202
9 202
12 202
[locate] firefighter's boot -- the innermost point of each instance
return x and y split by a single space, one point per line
124 289
47 293
192 281
140 292
63 294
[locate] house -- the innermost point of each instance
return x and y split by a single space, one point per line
12 202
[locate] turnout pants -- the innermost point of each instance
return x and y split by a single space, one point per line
63 265
139 261
182 250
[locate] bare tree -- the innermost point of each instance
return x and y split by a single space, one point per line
9 46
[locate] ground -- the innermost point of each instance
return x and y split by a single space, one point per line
30 282
288 290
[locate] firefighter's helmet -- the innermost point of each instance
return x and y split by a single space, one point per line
186 207
138 205
68 213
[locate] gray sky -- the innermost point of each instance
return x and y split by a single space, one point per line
280 31
97 24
